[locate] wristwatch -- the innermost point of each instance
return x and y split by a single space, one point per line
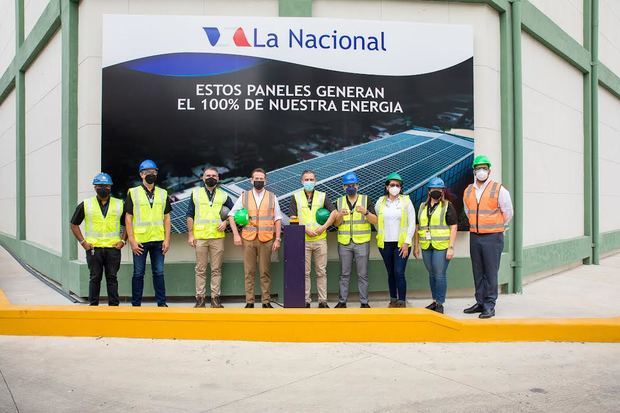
83 241
124 242
366 213
279 239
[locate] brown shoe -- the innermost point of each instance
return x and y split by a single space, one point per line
200 302
401 304
215 302
392 303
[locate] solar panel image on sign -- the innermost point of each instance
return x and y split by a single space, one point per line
416 155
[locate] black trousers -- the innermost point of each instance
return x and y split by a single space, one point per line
100 260
486 251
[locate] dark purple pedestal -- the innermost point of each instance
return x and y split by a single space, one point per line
294 266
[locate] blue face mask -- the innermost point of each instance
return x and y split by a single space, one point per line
309 186
351 190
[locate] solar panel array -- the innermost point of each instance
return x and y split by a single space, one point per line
415 158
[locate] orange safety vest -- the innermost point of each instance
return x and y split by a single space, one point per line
485 216
261 217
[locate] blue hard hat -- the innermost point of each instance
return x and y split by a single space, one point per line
102 179
436 183
147 164
349 178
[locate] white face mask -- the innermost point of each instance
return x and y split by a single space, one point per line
394 190
482 175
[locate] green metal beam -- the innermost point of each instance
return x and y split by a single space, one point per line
295 8
587 130
595 147
69 124
609 80
517 77
547 32
20 129
45 27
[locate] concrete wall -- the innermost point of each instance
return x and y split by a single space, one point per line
43 156
568 14
609 34
32 12
7 34
7 165
553 146
609 149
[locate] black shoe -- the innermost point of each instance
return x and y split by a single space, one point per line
487 314
364 305
215 302
432 306
476 308
323 305
438 308
249 305
307 305
162 305
341 305
200 302
267 305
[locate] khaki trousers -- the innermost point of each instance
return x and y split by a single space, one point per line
209 250
253 250
318 250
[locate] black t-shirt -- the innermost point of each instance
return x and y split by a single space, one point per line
191 206
79 214
370 206
451 215
150 195
327 204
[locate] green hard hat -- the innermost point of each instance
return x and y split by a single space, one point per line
481 160
393 177
241 217
322 215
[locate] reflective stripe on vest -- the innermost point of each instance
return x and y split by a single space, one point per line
307 215
148 220
485 216
207 215
438 228
402 234
100 231
262 217
354 225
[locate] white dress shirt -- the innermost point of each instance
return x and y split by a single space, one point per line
504 200
391 220
258 197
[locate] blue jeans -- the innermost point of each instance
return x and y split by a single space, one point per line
395 266
157 266
436 265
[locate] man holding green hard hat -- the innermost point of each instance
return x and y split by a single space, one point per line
316 212
258 213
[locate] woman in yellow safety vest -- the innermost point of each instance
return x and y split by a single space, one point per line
435 235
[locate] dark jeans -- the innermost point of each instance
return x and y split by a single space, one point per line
100 260
157 266
395 266
436 264
486 251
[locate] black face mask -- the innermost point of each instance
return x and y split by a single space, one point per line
435 195
103 192
150 179
258 185
211 182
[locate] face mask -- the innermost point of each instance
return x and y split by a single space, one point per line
351 190
103 192
309 186
482 174
435 195
258 185
394 190
211 182
150 179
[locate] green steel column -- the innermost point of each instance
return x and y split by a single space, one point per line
595 164
587 130
517 225
295 8
69 26
20 129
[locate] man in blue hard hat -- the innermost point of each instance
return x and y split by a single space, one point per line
103 237
355 213
147 219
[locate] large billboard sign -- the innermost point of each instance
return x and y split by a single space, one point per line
286 94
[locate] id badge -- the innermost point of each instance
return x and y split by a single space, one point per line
428 236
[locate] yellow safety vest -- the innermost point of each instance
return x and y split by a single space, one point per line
354 225
148 221
100 231
307 216
207 215
402 234
438 228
